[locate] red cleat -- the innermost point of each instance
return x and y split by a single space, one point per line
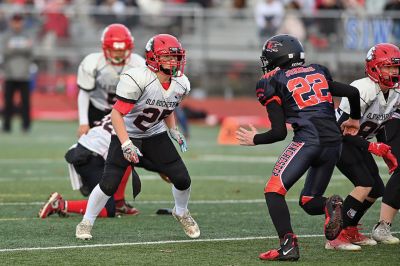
122 207
55 204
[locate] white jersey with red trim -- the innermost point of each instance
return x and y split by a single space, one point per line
152 102
375 109
98 138
100 78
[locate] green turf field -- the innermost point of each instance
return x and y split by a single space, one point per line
227 201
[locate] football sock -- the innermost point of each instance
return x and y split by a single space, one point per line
97 201
364 208
120 193
351 207
181 200
79 206
279 212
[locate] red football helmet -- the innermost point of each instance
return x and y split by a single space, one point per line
165 45
383 54
117 43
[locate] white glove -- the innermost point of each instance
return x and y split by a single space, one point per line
130 151
179 138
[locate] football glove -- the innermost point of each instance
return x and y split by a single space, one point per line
130 151
378 148
179 138
390 161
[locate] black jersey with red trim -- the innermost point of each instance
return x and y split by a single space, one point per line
305 96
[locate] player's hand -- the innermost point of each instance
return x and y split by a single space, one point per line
130 151
378 148
350 127
245 137
83 129
179 138
390 161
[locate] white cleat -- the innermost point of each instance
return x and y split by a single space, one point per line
83 230
189 225
341 243
381 233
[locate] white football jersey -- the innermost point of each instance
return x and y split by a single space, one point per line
152 102
98 138
375 109
100 78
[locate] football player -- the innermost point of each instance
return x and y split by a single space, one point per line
300 95
98 75
86 164
147 96
379 98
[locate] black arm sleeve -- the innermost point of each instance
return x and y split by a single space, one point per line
344 90
278 126
358 141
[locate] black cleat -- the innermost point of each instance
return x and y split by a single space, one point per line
289 250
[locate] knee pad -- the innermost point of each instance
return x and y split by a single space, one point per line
312 205
111 178
178 175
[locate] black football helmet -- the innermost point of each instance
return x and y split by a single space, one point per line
281 51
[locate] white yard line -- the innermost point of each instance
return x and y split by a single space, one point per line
153 243
148 243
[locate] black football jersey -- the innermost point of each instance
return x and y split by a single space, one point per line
303 92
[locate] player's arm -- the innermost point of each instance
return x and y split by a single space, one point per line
86 83
266 95
175 133
351 125
83 111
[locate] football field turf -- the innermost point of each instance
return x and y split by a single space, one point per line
227 201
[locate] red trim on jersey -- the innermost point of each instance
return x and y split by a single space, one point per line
166 84
123 107
274 98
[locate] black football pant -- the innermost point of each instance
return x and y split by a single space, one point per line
391 136
158 150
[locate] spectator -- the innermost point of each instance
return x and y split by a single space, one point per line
17 53
394 5
292 24
268 15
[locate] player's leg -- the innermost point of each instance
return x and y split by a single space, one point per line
290 166
312 200
114 169
391 198
360 168
123 207
162 152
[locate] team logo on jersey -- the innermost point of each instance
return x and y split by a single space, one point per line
371 54
272 46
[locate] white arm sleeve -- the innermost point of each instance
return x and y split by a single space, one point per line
83 107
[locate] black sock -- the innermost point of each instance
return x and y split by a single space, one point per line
351 207
364 208
279 212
